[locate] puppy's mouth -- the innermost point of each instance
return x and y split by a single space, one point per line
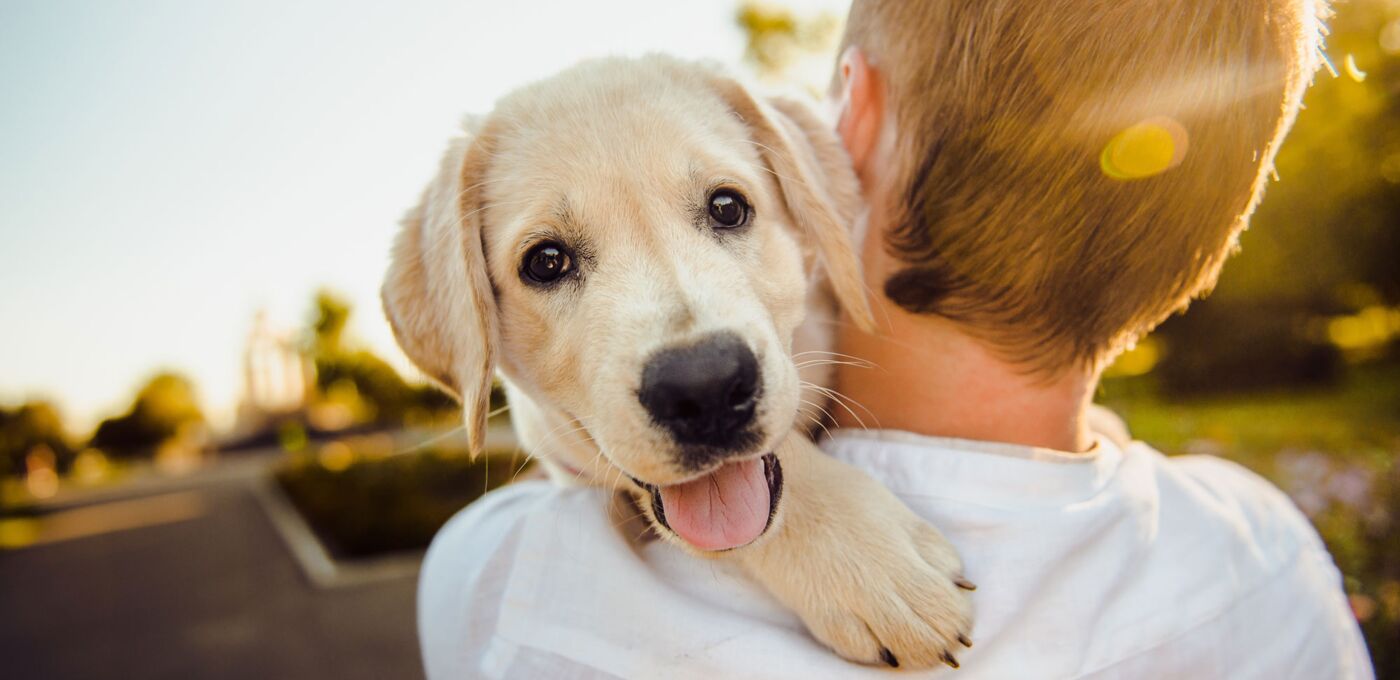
725 509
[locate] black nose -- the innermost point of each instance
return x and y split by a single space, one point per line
704 393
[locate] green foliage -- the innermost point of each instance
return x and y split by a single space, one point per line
1327 227
1324 242
1357 419
163 406
377 505
1231 346
778 39
364 383
330 315
30 426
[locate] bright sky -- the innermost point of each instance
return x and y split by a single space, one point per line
169 167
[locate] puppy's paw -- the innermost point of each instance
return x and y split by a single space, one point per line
904 604
867 576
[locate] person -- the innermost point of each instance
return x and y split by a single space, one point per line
1046 182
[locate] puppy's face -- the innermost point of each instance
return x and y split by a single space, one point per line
646 270
629 242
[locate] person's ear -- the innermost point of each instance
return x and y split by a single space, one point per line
862 111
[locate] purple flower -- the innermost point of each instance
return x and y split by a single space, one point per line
1352 487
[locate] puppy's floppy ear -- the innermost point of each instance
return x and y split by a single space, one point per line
819 187
437 295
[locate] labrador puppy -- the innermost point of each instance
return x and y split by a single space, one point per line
644 253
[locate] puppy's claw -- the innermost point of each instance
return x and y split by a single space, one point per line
921 612
964 583
965 642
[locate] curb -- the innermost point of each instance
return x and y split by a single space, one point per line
316 563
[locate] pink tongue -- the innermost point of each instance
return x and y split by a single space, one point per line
724 509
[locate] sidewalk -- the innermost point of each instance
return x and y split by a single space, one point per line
210 592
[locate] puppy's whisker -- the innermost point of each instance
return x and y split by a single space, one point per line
829 362
524 463
815 420
813 362
828 393
591 464
558 433
487 206
785 178
424 445
823 411
837 355
821 352
841 400
485 182
617 524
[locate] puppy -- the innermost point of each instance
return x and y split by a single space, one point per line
644 252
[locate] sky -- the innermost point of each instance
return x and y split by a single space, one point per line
170 167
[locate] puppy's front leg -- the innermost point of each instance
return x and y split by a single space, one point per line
867 577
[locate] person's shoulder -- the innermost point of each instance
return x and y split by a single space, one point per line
485 531
1237 561
1247 504
1248 567
488 520
466 571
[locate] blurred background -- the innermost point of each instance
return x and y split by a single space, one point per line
215 462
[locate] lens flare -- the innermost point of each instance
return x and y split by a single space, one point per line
1144 150
1353 70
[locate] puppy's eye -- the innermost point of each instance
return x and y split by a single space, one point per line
728 209
546 263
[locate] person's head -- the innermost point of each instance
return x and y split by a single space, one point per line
1056 178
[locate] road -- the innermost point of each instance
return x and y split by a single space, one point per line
195 584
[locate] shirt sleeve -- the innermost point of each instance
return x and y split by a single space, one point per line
463 579
1308 596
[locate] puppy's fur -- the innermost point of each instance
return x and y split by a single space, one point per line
616 158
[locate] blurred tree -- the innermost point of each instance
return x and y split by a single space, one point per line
1330 226
162 408
330 315
785 47
354 384
34 425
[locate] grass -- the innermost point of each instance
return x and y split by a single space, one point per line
1357 421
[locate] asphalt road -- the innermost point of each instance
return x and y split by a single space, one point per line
213 593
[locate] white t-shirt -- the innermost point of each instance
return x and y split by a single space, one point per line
1120 563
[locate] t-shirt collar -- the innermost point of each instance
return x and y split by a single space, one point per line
981 472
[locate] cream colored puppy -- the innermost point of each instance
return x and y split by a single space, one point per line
641 249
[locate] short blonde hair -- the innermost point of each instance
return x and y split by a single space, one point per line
1009 222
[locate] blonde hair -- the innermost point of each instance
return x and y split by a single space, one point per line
1010 217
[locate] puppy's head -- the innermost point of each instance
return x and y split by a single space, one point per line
631 242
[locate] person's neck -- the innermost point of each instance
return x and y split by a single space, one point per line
928 377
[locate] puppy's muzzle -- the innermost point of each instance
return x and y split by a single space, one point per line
704 394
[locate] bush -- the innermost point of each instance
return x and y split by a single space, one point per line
364 505
163 407
32 426
1224 347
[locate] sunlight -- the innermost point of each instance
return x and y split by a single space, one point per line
1149 148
